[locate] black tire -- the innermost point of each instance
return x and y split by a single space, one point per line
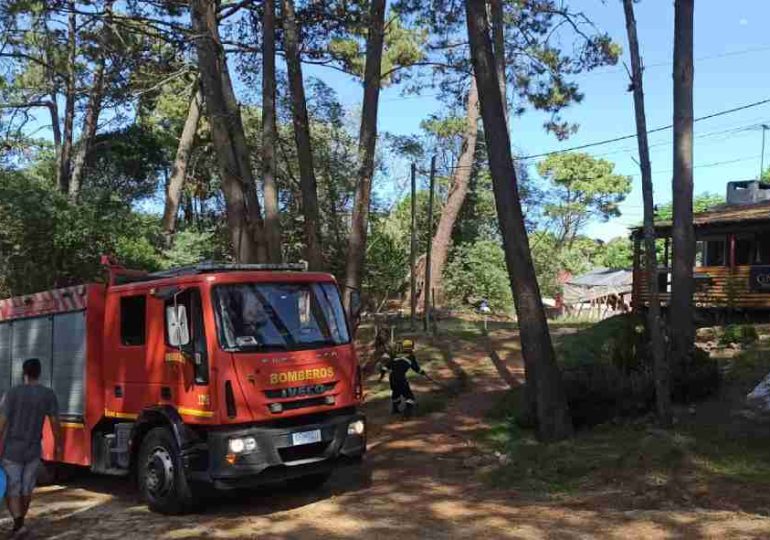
310 482
162 481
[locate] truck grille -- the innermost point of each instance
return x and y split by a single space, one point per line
302 403
306 451
300 391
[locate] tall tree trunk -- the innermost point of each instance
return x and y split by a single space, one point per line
244 220
53 105
498 37
307 181
657 346
182 159
542 373
90 123
682 289
65 155
459 190
53 109
367 142
269 135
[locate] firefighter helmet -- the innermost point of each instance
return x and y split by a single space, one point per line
407 346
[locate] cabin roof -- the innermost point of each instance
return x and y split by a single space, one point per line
603 277
723 215
598 283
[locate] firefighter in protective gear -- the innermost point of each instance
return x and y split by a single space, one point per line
401 393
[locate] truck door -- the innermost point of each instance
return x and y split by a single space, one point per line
187 362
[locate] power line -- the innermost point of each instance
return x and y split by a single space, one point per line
665 63
726 131
731 131
718 55
633 135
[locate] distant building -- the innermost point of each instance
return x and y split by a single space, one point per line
598 294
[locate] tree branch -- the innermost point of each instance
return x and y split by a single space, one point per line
25 105
230 9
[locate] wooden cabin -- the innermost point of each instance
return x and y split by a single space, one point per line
732 262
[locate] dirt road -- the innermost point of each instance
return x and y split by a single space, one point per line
421 479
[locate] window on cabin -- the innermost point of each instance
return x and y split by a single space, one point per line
763 248
744 250
715 252
700 252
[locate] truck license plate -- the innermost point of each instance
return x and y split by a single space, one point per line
306 437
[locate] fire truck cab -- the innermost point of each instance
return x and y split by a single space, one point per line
220 375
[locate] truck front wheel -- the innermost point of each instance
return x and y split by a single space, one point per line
162 480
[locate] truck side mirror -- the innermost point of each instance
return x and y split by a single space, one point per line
177 327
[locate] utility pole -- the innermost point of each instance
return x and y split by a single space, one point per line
765 127
427 285
413 251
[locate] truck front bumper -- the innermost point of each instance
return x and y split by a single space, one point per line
276 457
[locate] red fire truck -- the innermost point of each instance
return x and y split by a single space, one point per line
223 375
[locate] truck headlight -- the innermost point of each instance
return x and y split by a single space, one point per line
242 445
237 446
356 427
250 443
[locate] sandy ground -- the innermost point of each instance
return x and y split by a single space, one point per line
417 481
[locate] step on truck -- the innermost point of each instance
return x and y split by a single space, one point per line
218 375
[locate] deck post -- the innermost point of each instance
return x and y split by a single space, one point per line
732 251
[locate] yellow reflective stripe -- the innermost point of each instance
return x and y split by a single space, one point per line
182 410
74 425
115 414
195 412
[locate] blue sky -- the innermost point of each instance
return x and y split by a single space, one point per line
732 49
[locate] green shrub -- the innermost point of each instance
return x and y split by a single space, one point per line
599 392
478 271
742 334
607 372
615 341
696 381
46 241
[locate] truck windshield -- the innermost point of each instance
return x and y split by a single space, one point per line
279 316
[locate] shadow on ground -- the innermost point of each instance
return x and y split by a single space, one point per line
422 478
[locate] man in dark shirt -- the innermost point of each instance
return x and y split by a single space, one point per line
24 410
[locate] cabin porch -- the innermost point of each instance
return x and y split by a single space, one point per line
732 262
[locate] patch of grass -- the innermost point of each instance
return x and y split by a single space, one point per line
632 457
605 455
749 367
571 322
432 402
501 418
738 458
